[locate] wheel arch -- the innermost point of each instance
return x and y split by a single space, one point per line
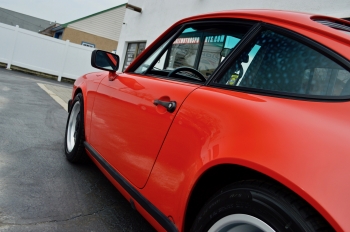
78 90
81 89
216 178
75 93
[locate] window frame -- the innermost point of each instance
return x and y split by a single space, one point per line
175 33
323 50
135 53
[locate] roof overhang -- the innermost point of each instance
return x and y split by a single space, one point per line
134 8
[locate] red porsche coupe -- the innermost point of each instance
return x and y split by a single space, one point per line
229 121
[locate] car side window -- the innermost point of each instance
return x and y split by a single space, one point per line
195 53
275 62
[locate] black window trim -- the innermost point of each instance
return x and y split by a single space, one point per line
236 51
173 33
176 32
337 58
172 39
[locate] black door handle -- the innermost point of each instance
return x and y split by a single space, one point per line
170 106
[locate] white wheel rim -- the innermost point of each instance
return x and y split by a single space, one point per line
240 223
73 126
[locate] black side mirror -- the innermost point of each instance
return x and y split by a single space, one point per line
105 60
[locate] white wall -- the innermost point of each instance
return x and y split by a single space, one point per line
41 53
158 15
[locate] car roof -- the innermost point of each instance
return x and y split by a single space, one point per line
302 23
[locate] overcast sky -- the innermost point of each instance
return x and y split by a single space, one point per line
61 11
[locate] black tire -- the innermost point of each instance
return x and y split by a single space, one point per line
74 148
272 204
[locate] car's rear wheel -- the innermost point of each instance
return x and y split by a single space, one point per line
74 137
254 206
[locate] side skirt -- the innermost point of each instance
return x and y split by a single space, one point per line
148 206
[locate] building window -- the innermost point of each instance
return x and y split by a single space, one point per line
86 44
58 34
134 49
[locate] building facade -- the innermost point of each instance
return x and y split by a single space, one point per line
100 30
142 28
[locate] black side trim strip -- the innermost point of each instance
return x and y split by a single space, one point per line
148 206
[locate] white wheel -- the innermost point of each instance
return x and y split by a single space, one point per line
258 206
74 139
240 223
73 126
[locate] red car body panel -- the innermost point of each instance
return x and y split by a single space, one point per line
130 98
302 144
277 137
88 85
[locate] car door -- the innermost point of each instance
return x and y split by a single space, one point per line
128 129
133 111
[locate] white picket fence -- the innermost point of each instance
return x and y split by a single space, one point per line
41 53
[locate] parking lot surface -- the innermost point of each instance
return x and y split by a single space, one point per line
39 189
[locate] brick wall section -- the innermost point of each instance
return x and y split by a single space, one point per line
76 36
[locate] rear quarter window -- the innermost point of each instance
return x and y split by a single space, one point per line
276 63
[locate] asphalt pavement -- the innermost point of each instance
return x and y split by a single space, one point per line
39 189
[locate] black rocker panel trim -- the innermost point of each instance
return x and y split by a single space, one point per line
148 206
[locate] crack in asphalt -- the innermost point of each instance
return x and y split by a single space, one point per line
57 221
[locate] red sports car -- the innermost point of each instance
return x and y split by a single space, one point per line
229 121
